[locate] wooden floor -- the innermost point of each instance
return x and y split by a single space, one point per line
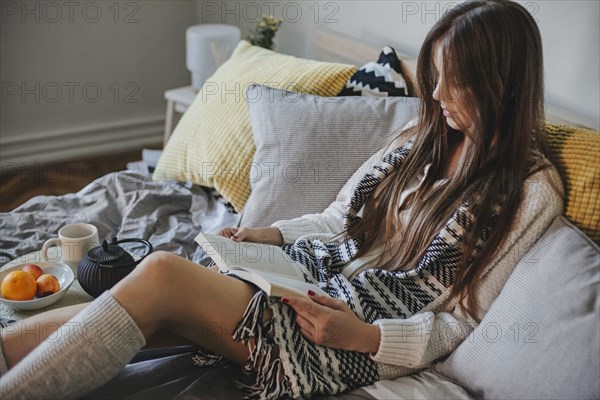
19 185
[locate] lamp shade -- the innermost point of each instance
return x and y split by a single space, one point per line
207 47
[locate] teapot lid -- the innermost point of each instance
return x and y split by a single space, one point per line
109 253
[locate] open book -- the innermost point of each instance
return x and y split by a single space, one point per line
266 266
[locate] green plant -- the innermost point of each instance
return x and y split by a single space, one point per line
264 32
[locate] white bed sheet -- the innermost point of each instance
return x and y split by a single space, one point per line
424 385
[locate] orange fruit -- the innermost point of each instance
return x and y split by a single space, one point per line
18 285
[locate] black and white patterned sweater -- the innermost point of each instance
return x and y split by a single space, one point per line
411 341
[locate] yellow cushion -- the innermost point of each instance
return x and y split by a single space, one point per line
577 152
212 145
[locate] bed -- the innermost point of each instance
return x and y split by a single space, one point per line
169 214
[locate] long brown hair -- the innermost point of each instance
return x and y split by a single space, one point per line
492 52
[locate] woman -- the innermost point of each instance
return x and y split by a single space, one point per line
447 211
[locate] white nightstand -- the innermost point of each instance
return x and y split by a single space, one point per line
178 101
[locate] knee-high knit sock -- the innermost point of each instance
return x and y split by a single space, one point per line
86 352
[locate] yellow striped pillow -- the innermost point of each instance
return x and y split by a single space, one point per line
212 145
577 152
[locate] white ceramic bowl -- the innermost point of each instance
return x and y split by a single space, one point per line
61 271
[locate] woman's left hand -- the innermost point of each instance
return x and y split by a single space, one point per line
330 322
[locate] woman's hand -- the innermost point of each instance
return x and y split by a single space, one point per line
329 322
267 235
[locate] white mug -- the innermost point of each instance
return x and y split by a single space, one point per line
74 241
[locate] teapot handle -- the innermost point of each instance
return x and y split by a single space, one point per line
144 242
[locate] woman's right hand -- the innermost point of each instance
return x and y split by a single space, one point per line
267 235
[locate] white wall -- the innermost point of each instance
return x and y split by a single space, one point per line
134 55
570 34
87 77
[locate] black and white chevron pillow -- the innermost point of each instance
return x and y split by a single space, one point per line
382 78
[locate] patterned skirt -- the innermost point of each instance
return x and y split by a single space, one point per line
286 364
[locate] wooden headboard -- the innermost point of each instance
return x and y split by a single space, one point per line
336 47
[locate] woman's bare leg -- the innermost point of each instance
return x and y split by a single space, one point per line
171 293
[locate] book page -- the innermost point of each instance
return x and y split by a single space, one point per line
281 286
229 254
277 286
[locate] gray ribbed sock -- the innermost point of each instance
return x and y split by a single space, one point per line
87 351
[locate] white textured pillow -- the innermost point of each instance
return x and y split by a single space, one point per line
307 147
541 337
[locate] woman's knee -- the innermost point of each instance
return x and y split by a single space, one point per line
157 260
150 274
155 267
145 287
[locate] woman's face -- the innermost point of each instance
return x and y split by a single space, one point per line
451 98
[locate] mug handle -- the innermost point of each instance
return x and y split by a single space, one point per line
46 246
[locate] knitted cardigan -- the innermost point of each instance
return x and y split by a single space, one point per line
418 321
412 343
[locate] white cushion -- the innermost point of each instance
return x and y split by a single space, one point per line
541 337
307 147
422 385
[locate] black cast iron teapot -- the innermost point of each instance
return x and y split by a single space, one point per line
105 265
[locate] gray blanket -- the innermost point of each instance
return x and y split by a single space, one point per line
123 204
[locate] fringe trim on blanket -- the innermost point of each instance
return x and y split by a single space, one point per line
204 358
263 360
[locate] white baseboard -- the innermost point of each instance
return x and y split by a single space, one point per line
63 145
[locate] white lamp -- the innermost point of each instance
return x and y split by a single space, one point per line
207 47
